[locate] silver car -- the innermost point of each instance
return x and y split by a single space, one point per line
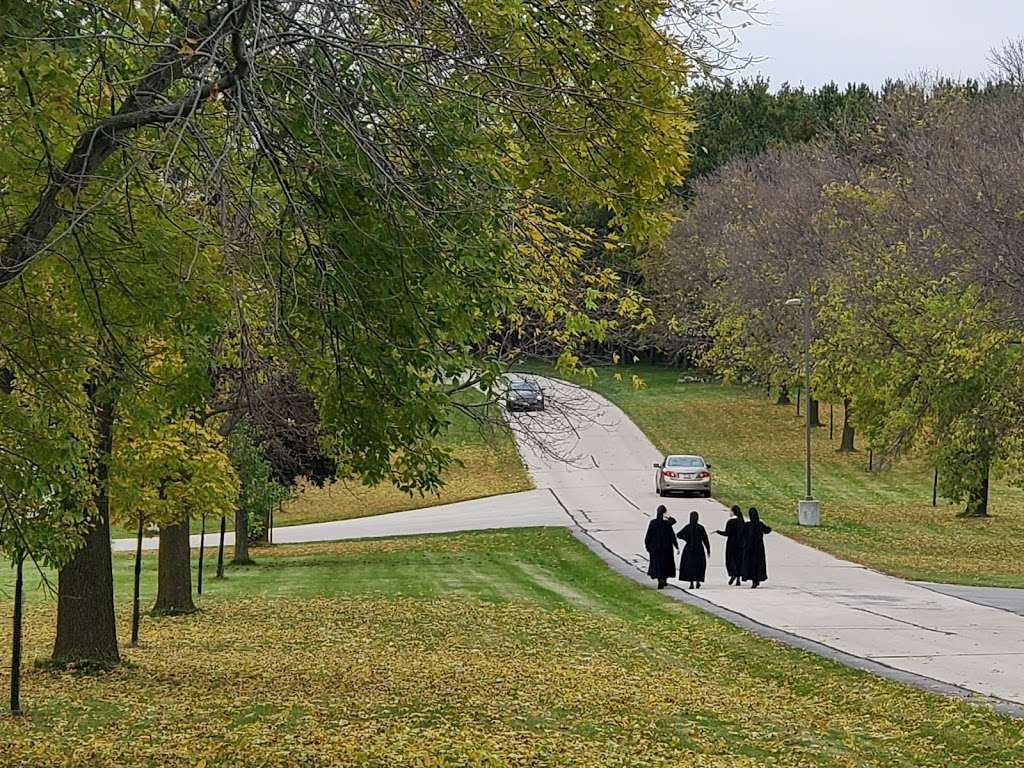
683 473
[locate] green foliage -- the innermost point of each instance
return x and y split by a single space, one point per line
743 350
372 224
45 490
931 371
258 494
745 118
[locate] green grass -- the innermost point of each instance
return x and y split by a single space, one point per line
507 648
487 464
883 519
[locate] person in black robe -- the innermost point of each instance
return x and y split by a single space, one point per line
755 567
734 545
660 543
693 563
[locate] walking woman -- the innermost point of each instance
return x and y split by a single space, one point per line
755 567
734 545
660 543
693 564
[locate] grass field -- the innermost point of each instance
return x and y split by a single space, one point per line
487 464
883 519
489 649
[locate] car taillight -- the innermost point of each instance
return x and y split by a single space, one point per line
666 473
704 475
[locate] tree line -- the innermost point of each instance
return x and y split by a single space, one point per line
904 231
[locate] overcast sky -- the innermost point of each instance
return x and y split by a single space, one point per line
816 41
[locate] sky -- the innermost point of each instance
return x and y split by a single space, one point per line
811 42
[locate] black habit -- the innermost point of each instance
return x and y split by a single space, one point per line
660 543
755 567
693 564
733 546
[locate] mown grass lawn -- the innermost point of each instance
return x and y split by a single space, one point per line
487 464
883 519
487 649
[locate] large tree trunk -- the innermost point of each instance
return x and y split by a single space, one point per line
846 446
174 572
241 539
977 503
783 396
812 403
86 631
263 539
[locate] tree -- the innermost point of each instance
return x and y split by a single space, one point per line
525 76
42 491
744 119
1008 62
258 491
754 238
167 476
76 333
933 374
280 414
931 240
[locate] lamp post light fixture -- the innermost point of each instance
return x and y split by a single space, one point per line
808 510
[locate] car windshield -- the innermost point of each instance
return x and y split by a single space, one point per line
525 386
684 461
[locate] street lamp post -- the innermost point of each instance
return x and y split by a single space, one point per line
808 510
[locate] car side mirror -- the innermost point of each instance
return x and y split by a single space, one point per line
708 466
657 466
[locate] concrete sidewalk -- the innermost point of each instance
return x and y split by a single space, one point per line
609 493
529 509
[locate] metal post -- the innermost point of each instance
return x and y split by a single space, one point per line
136 599
19 581
807 388
808 510
202 550
830 412
935 487
220 549
871 460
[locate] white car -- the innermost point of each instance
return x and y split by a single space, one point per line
683 473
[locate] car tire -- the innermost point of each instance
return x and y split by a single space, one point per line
662 492
707 494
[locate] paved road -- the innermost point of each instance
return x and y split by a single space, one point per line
515 510
995 597
592 468
608 490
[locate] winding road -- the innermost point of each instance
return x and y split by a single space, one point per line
592 470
